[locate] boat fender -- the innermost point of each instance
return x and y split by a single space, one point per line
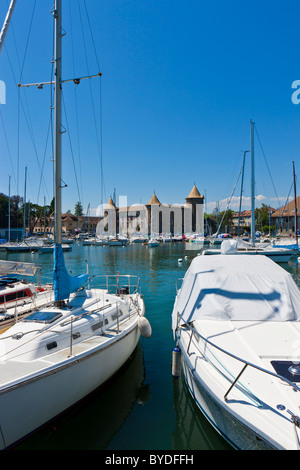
144 327
176 361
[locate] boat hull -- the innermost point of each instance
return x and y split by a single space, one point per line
38 400
238 435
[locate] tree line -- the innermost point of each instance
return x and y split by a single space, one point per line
33 212
262 220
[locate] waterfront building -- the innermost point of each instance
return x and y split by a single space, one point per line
154 218
284 218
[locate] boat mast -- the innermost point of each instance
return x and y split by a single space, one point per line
9 208
24 208
296 215
57 104
252 184
7 22
241 196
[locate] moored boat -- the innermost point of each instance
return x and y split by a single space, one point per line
236 320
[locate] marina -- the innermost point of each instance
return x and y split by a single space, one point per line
144 392
151 327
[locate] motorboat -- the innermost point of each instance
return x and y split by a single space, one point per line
240 247
18 295
153 242
138 239
236 322
118 241
50 248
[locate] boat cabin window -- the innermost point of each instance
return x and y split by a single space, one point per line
117 314
52 345
98 325
21 294
43 317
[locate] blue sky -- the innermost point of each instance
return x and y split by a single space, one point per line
181 81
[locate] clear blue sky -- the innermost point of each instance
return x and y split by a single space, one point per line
181 81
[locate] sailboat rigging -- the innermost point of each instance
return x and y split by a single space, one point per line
77 343
7 22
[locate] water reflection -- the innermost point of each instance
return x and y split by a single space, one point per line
192 431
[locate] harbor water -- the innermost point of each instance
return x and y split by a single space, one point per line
142 407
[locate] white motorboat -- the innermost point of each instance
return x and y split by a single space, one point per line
50 248
138 239
237 324
118 241
240 247
153 242
19 297
58 355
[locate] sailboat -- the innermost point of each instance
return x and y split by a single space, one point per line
278 255
58 355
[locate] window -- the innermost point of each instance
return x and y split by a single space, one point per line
43 317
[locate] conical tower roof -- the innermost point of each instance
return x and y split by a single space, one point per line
110 203
153 200
194 193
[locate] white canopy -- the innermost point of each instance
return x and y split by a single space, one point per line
14 267
237 288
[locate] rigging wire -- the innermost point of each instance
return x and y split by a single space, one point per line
20 101
100 94
99 140
267 165
8 148
76 106
72 153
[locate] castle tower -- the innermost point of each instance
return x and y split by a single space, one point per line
196 200
153 214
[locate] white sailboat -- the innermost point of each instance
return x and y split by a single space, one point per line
58 355
236 320
279 255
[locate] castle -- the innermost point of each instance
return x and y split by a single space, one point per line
154 218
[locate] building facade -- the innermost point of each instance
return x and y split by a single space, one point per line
154 218
285 218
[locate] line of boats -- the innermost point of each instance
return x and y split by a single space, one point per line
236 324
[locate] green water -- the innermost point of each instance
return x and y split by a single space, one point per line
143 407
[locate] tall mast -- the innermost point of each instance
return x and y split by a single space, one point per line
296 215
252 184
241 196
24 207
9 208
7 22
57 104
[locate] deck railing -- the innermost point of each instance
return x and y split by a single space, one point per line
243 361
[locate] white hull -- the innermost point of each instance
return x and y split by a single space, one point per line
239 436
56 356
237 325
37 400
50 248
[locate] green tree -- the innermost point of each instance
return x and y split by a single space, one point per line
78 209
3 210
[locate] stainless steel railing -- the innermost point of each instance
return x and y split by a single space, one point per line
243 361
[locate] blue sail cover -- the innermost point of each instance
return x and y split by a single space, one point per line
63 283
